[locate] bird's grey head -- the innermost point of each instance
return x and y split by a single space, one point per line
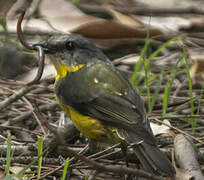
73 49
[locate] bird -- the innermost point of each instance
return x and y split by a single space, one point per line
100 101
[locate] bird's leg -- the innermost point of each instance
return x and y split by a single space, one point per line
93 147
124 151
126 159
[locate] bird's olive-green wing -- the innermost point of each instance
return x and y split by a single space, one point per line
99 91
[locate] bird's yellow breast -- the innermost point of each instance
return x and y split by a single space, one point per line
88 126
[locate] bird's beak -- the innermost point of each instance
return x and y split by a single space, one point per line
45 47
49 51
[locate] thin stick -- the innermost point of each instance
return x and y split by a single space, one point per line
15 96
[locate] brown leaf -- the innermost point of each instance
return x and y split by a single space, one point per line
110 44
107 29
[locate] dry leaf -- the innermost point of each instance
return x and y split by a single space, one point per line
109 44
186 157
181 174
160 129
110 29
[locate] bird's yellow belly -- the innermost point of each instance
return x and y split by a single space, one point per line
88 126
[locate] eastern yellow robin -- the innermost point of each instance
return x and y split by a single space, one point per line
101 103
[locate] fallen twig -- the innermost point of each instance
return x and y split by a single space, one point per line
175 116
15 96
20 129
27 159
27 114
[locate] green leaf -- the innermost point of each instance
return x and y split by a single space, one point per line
193 120
64 175
8 154
40 148
168 87
156 92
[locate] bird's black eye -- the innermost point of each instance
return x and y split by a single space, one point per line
69 45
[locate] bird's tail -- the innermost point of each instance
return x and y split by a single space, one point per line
153 159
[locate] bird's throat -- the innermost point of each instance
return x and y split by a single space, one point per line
62 69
